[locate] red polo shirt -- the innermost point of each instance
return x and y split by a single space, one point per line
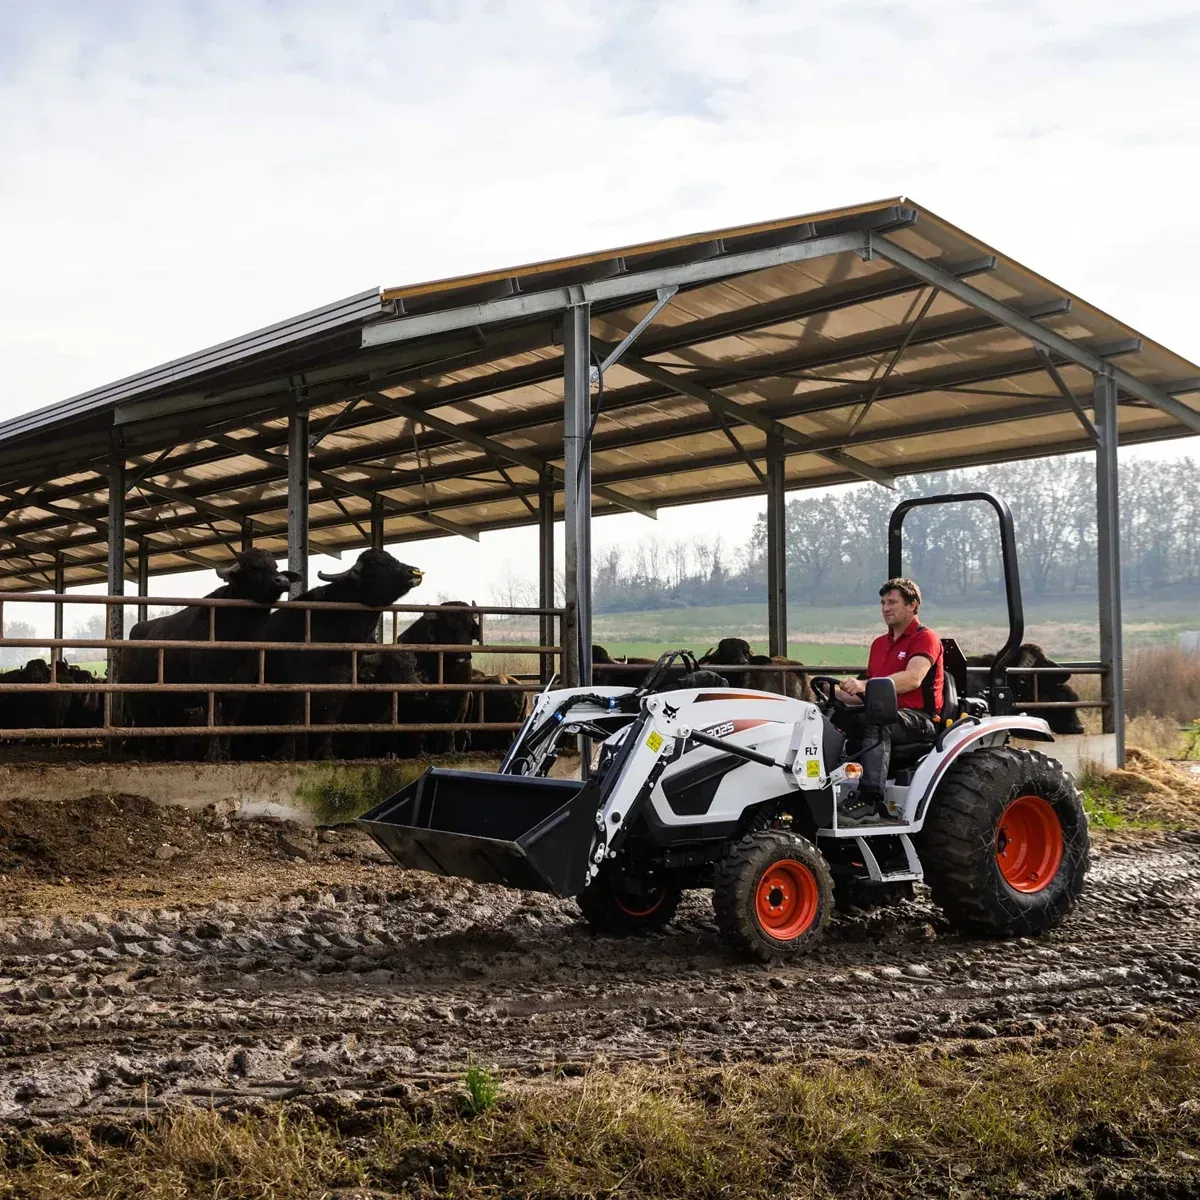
889 656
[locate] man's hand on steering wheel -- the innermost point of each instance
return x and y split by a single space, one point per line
852 690
830 696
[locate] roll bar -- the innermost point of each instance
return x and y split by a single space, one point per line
1000 694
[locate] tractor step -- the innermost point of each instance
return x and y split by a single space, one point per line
528 833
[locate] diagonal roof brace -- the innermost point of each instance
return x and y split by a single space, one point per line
1068 395
354 489
665 295
1046 338
747 416
522 458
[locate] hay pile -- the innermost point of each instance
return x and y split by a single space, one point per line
1153 790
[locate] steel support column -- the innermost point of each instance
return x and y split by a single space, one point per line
577 494
297 509
776 548
546 569
247 534
1108 550
143 577
60 586
115 621
377 524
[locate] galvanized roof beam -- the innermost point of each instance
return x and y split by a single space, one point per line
353 489
659 341
746 415
1046 338
825 400
464 433
517 308
982 419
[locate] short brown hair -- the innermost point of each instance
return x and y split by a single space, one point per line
906 587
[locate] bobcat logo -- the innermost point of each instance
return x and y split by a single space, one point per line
670 711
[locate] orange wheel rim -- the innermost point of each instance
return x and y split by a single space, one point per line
787 899
633 908
1029 844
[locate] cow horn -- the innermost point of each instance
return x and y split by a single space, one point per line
350 572
230 571
290 576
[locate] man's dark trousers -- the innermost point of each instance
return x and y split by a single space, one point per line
872 745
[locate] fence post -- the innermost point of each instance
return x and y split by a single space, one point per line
776 548
1108 552
115 622
546 570
297 507
60 586
577 493
143 577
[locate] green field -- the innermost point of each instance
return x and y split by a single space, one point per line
817 653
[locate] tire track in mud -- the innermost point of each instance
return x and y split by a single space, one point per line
359 991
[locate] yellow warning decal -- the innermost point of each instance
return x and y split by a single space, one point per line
814 768
654 741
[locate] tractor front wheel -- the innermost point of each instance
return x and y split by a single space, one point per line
773 895
1005 845
614 906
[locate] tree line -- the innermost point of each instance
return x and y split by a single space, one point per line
837 542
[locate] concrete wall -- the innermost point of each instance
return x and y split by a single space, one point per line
309 793
1076 751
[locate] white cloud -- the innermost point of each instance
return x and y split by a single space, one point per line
173 173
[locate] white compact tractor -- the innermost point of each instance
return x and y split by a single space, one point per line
708 786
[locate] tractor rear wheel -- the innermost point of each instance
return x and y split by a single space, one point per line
773 895
611 906
1005 844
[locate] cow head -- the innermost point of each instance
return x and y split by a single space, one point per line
730 652
254 576
600 655
1052 686
455 628
376 578
36 670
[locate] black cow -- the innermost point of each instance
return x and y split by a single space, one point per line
375 580
735 652
1054 685
375 708
85 710
604 674
254 577
34 710
446 629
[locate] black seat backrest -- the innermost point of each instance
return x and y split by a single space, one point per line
954 680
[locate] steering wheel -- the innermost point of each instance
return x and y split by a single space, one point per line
827 700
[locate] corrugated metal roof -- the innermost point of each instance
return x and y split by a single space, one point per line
803 324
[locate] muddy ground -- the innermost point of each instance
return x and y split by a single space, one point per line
150 956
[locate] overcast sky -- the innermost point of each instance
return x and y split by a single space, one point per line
176 172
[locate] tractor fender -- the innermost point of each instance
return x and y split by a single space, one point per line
990 731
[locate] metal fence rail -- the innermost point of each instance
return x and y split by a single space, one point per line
109 723
109 691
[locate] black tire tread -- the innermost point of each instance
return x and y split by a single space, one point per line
956 842
736 882
600 910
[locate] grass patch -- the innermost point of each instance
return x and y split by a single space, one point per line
889 1126
1105 808
483 1090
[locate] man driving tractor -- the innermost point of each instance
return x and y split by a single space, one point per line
911 656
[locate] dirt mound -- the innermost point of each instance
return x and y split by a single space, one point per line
101 836
1156 790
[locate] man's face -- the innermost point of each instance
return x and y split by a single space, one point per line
897 612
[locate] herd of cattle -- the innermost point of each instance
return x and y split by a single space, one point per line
374 581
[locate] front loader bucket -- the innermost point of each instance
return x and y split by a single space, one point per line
532 834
